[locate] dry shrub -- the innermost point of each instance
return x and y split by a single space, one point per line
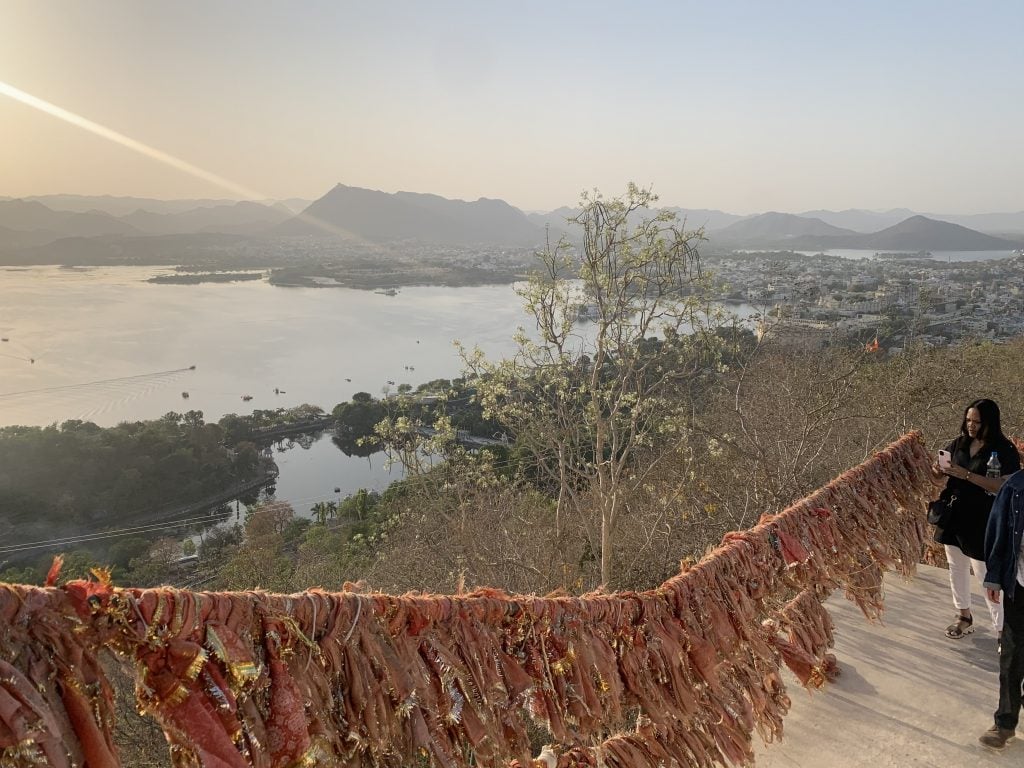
140 742
500 536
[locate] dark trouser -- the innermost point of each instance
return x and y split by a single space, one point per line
1011 660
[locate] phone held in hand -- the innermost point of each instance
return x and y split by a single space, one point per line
945 460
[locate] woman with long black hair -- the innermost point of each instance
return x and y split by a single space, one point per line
981 435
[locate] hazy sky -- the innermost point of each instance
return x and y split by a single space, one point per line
745 107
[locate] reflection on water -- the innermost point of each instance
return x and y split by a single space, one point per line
312 468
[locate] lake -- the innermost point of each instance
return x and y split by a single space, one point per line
947 256
109 347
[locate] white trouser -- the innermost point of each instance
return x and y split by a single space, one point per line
960 566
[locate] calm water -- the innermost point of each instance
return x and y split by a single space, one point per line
311 472
850 253
109 347
136 341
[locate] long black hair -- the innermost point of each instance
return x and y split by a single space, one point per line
990 431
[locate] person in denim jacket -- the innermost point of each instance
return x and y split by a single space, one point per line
1004 580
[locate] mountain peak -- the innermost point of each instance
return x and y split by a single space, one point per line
922 233
774 226
383 216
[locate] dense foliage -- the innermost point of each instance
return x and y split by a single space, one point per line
78 477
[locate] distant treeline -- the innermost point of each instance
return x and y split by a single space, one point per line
206 277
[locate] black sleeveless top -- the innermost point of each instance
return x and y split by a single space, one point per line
967 524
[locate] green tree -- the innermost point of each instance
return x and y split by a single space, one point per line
319 511
154 568
587 401
261 560
357 419
236 428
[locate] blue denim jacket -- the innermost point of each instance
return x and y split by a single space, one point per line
1003 535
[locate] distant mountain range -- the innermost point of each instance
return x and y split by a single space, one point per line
915 233
121 206
1003 224
378 217
35 223
242 218
32 216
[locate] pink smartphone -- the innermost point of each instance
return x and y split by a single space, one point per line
945 461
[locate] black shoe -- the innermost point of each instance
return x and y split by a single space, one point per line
996 737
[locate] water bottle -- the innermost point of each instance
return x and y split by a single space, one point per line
993 468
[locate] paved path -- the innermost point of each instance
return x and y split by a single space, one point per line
907 695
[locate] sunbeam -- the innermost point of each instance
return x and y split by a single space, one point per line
127 141
152 153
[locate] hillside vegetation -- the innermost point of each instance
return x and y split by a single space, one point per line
768 432
640 428
638 436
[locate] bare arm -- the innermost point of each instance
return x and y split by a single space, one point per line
990 484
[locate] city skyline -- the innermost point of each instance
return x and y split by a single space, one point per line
741 108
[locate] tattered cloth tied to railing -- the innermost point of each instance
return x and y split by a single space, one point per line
685 672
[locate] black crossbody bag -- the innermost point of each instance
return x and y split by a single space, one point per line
940 511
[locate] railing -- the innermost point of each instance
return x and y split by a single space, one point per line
685 672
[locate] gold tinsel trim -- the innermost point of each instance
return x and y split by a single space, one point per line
158 614
177 696
25 752
197 665
316 755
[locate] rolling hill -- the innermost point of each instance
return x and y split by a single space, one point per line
376 216
243 218
915 233
921 233
777 228
32 216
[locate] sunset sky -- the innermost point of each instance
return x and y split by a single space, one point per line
744 107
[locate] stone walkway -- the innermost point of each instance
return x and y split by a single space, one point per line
907 695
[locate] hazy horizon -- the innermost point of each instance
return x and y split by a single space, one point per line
662 202
742 108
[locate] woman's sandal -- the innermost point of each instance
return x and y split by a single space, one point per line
963 626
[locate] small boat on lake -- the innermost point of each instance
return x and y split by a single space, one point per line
247 398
